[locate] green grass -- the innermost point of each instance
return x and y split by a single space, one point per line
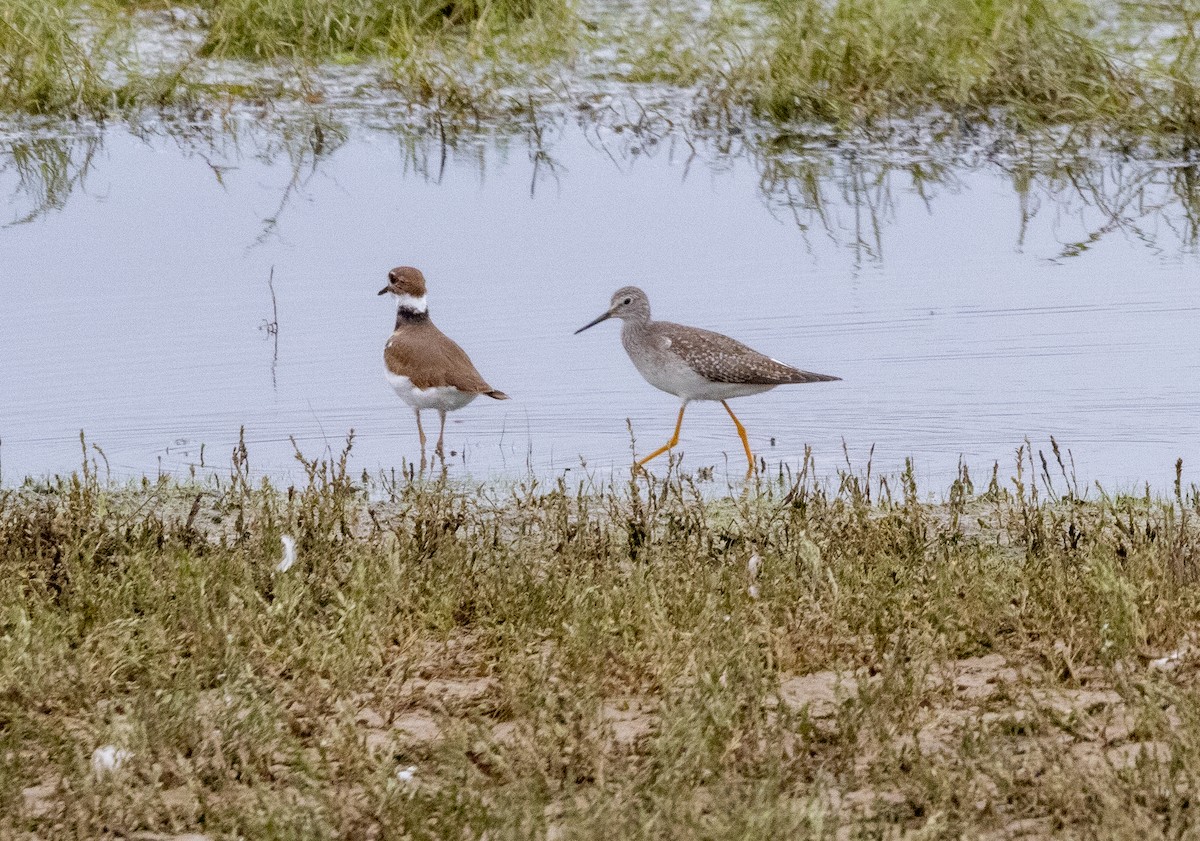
597 663
1033 63
43 65
318 29
1118 75
70 58
62 58
1036 57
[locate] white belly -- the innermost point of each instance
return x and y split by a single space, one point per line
444 398
670 374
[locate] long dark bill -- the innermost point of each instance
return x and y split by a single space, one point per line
385 290
604 317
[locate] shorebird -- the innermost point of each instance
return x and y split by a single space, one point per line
695 364
425 367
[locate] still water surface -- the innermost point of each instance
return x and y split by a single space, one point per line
966 307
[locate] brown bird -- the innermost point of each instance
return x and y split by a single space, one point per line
425 367
695 364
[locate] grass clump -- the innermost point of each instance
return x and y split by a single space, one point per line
1081 72
640 660
1041 60
60 57
73 58
321 29
1125 75
44 66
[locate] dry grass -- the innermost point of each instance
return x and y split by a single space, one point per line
534 661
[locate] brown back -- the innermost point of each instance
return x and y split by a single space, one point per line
721 359
429 358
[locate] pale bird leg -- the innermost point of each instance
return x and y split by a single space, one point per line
745 441
441 435
674 440
421 432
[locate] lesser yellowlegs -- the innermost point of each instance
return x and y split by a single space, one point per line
695 364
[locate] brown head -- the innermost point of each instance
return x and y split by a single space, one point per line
408 285
628 303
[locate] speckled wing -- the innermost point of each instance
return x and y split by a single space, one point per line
430 358
721 359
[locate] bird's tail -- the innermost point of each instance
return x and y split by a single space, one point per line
500 395
810 377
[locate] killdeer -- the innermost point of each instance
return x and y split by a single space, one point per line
695 364
425 367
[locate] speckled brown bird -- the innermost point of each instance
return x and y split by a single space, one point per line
425 367
695 364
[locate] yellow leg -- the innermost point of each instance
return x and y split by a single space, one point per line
674 440
745 441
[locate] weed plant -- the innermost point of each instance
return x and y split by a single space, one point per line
638 660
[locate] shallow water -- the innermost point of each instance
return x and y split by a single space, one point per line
968 303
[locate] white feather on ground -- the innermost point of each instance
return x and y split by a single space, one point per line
289 553
109 758
1169 662
753 565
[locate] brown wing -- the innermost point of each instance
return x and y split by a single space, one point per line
724 360
429 358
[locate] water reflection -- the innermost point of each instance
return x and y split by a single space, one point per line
971 293
849 194
44 172
820 183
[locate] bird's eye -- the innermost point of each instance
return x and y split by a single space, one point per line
627 301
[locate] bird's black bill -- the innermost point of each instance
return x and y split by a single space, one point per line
604 317
385 290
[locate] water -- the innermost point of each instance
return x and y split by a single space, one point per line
968 302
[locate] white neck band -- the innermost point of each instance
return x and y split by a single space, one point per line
412 302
